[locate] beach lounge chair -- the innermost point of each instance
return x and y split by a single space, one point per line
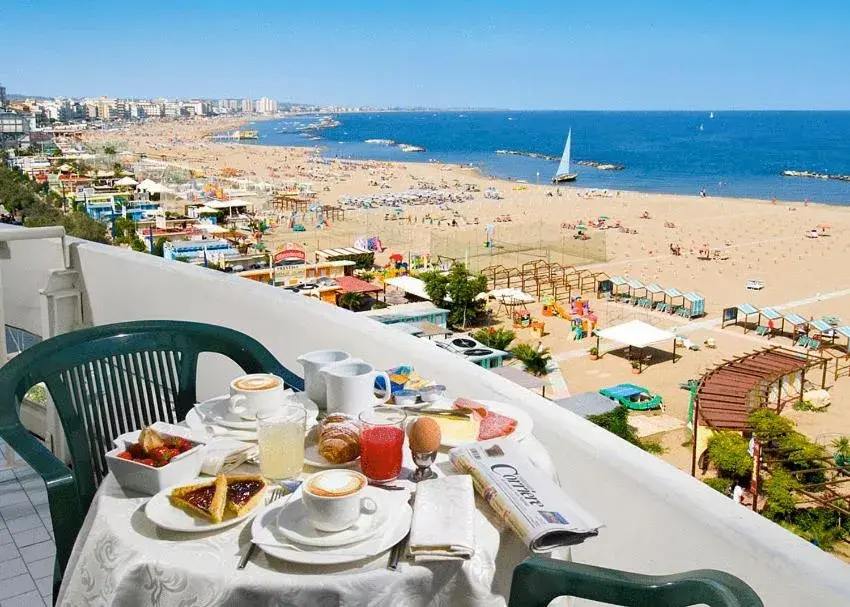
803 342
755 284
689 344
762 330
636 398
814 344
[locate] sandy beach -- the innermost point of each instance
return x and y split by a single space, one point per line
760 239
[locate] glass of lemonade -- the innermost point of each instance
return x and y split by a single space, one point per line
280 437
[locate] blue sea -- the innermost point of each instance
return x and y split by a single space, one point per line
739 154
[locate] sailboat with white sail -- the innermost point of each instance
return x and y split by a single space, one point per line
563 173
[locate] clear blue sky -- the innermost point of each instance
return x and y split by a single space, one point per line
613 54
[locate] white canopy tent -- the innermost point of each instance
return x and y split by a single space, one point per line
126 181
636 334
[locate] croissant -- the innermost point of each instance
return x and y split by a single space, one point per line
339 439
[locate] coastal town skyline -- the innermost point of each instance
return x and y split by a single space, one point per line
616 57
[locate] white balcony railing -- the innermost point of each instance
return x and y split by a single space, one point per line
658 519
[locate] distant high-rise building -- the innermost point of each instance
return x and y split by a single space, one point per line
266 106
248 105
2 97
14 130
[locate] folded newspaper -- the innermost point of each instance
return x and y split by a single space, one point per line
537 509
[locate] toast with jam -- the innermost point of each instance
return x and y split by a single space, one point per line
244 492
207 499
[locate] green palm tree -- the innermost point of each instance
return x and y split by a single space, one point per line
350 301
535 361
500 338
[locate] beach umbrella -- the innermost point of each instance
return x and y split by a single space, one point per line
581 227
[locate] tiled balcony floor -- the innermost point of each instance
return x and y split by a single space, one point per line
26 537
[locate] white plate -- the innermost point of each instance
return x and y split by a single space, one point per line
216 411
524 423
163 514
292 522
312 457
265 533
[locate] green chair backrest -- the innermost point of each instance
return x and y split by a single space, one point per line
105 381
537 581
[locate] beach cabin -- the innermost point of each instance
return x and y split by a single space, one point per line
820 332
673 299
693 306
771 316
654 290
619 288
736 314
604 288
797 325
637 291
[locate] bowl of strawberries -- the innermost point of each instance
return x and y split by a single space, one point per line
155 457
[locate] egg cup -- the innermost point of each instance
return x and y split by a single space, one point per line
423 463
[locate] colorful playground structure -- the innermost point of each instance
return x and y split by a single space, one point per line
652 296
579 314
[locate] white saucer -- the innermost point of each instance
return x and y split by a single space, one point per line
216 411
267 536
163 514
312 457
293 524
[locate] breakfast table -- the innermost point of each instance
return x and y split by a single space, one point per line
122 558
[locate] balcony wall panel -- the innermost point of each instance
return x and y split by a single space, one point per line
658 519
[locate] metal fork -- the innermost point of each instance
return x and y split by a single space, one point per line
276 494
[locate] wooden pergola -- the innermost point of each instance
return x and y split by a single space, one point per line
725 396
292 202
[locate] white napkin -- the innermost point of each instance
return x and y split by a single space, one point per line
443 525
223 455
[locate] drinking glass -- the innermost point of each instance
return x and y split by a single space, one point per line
381 440
280 437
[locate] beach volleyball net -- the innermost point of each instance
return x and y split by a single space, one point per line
514 246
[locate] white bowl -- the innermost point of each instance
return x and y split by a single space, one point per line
149 480
406 398
433 393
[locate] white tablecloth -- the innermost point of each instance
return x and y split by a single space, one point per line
121 558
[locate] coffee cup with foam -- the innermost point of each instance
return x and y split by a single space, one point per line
334 499
251 395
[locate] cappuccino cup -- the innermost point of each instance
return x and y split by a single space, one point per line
255 394
334 499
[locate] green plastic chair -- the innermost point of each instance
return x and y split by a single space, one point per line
538 580
105 381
